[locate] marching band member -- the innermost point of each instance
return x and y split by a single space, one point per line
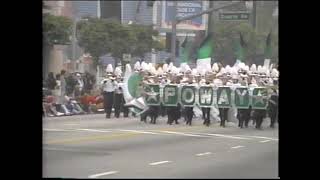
108 87
118 93
221 80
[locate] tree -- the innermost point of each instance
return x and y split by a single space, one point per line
145 41
94 38
101 36
227 39
56 29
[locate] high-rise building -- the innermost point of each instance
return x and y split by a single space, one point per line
86 8
110 10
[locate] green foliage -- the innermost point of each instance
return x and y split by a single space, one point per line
101 36
56 29
226 38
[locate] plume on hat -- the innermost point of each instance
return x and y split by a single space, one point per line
128 69
137 66
144 66
215 67
109 68
160 71
253 68
117 71
274 73
165 67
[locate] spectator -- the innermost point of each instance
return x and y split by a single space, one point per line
79 85
51 82
63 83
88 82
72 83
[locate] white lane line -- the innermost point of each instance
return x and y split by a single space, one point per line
185 134
72 150
71 124
261 137
92 130
226 136
160 162
236 147
138 131
202 154
57 130
102 174
265 141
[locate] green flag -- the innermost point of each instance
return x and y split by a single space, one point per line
240 48
205 52
267 51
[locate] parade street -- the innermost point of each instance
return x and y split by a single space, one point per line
91 146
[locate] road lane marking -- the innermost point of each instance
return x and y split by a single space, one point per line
92 130
71 124
202 154
160 162
106 137
222 135
58 130
265 141
185 134
138 131
102 174
261 137
91 138
236 147
72 150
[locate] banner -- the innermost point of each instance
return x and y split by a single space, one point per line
152 94
224 97
241 98
170 95
206 96
259 98
188 96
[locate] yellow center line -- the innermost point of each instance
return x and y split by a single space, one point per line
114 136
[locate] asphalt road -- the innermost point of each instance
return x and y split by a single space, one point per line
90 146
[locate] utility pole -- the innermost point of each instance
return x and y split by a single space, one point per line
74 41
210 18
176 21
174 34
254 14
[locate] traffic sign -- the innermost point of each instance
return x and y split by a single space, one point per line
234 16
126 58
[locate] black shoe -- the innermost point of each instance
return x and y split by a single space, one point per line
177 122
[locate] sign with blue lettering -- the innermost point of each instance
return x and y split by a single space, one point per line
183 9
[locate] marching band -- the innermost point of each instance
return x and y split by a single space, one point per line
235 76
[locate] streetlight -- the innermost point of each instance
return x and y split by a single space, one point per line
74 37
251 6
